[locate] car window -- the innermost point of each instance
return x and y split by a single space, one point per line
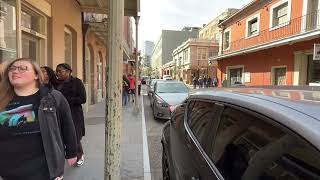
250 148
171 88
200 114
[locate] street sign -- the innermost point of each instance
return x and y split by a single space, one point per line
316 53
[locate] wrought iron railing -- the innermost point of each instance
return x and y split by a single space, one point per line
94 18
301 25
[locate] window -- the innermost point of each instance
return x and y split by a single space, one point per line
68 46
248 147
279 75
253 26
202 53
8 30
33 26
313 70
235 75
200 114
227 37
280 13
212 52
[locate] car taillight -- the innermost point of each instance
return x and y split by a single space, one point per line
172 108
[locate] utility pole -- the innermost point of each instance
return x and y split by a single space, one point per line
113 121
136 18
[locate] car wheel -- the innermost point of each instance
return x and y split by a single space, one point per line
165 167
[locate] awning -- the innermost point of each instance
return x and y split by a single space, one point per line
131 7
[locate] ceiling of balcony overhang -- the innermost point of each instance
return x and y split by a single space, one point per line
131 7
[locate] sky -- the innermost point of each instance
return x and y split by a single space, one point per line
157 15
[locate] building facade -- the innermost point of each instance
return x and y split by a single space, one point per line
61 31
271 43
211 30
190 59
168 41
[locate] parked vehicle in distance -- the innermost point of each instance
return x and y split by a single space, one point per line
166 96
244 134
167 77
151 86
145 79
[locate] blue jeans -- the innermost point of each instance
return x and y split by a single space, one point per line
124 98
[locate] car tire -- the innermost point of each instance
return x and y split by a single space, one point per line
165 166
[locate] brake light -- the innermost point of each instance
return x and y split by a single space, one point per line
172 108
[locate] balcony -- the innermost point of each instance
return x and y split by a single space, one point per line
288 32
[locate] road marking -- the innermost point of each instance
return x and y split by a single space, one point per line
146 161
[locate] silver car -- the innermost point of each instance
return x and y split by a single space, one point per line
166 96
151 85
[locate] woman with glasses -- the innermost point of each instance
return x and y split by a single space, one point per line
73 89
36 128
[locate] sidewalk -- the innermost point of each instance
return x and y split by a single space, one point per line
131 167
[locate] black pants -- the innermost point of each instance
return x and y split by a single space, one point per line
139 90
79 150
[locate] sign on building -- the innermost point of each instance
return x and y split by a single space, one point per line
316 53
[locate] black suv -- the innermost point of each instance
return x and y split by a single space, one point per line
244 134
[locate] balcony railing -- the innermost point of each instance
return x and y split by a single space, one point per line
94 18
301 25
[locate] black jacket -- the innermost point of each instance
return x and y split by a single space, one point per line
74 91
57 130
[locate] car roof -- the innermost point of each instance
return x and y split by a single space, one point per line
296 109
170 81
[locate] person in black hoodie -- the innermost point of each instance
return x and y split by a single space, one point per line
74 91
36 128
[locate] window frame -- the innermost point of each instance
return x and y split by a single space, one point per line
248 25
273 73
69 32
194 139
224 39
273 7
260 116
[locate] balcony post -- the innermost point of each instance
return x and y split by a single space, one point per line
113 121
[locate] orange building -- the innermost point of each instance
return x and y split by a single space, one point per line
270 42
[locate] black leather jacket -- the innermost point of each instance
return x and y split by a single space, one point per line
57 130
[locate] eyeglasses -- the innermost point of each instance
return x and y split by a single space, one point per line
61 71
21 69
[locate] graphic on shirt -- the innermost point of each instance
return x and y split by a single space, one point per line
21 115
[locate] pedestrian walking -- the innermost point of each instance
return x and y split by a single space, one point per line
125 90
74 91
132 87
209 82
195 82
200 82
49 77
36 129
205 82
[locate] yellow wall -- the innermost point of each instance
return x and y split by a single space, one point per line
66 13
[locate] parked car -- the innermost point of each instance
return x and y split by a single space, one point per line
244 134
167 77
145 79
150 86
166 95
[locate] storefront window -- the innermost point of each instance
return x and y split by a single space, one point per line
313 70
8 49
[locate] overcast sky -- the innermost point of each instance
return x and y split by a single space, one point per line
157 15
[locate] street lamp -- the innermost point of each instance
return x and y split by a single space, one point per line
136 18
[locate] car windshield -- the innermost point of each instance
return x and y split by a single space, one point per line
171 88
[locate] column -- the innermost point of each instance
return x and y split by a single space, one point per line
114 90
3 13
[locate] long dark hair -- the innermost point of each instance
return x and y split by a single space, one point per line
52 76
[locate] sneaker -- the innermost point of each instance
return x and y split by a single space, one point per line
80 161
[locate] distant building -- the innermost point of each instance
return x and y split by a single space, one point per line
147 52
211 30
168 41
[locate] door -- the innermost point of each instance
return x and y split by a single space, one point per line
313 75
199 130
312 15
279 76
235 76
